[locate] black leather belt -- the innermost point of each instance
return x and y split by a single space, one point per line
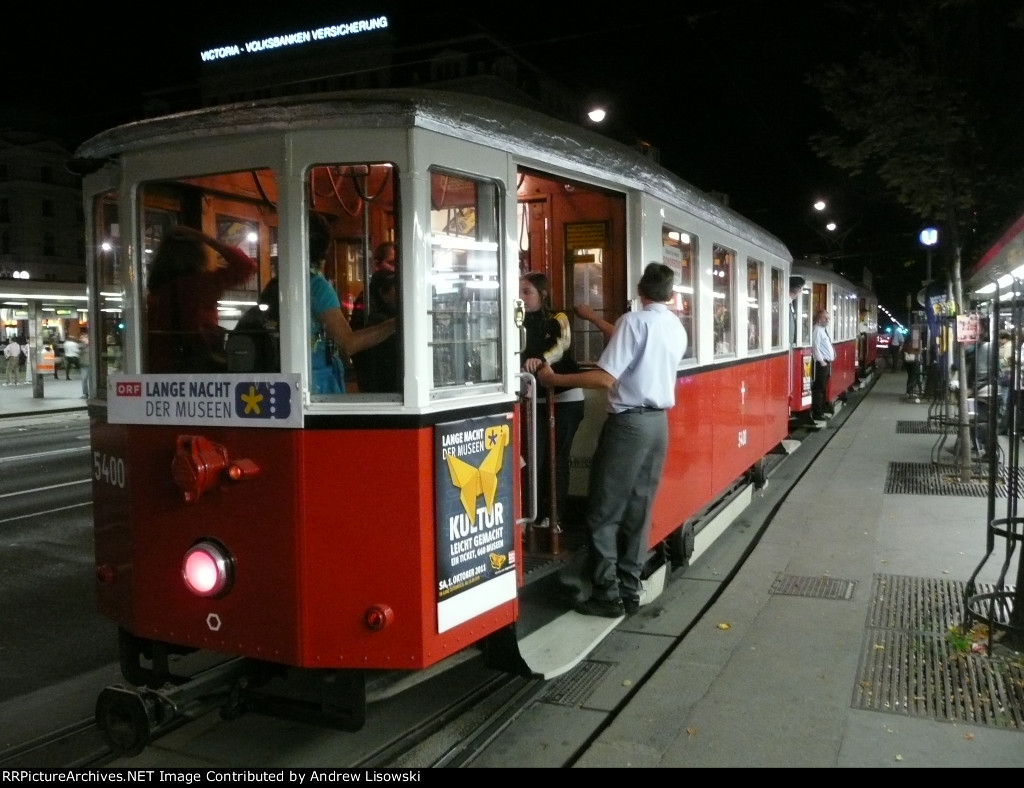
642 409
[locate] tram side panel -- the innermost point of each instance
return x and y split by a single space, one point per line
844 369
725 420
686 478
324 544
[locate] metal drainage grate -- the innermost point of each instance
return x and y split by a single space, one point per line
917 428
574 687
909 667
925 478
816 587
920 604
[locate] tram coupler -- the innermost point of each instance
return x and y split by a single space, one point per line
130 717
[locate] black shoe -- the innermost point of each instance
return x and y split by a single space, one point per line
608 608
631 606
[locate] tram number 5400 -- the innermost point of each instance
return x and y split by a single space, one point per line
108 469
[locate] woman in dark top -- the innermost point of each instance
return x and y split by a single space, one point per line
549 341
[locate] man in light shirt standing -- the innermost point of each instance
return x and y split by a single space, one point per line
638 371
823 354
12 357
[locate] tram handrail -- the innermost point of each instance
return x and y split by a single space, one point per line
531 396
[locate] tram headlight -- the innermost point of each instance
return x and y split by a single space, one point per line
207 568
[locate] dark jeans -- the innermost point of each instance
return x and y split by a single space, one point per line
913 377
819 389
981 434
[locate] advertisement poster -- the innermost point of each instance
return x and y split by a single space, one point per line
204 400
475 549
806 379
967 328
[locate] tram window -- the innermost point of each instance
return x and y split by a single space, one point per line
200 279
722 278
358 200
588 288
754 269
849 315
678 251
110 283
776 308
465 286
806 312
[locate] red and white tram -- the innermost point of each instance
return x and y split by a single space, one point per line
350 535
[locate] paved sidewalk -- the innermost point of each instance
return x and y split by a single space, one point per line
58 395
776 676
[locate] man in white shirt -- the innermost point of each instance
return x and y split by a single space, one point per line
896 348
638 371
823 354
72 353
12 354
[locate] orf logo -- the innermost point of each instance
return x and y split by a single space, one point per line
129 388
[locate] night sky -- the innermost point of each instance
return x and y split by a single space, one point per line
717 87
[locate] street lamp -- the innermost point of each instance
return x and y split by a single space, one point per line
929 237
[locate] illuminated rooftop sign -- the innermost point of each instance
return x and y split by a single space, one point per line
294 39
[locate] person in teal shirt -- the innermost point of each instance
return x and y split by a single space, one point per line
328 322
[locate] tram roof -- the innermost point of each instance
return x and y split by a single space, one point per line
525 133
823 273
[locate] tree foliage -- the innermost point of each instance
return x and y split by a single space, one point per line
931 106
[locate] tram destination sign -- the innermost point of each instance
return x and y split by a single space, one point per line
222 400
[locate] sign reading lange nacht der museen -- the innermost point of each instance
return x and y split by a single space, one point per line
475 521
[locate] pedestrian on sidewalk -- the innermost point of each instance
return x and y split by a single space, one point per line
896 348
12 358
83 362
72 351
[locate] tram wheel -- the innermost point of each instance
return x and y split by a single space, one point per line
759 474
680 546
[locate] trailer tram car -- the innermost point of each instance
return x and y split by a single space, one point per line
846 302
867 334
264 547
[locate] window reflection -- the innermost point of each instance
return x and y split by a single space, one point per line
464 281
678 252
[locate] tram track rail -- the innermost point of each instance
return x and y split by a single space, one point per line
456 734
75 745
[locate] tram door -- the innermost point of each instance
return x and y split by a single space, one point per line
575 234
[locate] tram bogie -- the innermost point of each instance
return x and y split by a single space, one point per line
250 514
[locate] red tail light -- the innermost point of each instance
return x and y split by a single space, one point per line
207 569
